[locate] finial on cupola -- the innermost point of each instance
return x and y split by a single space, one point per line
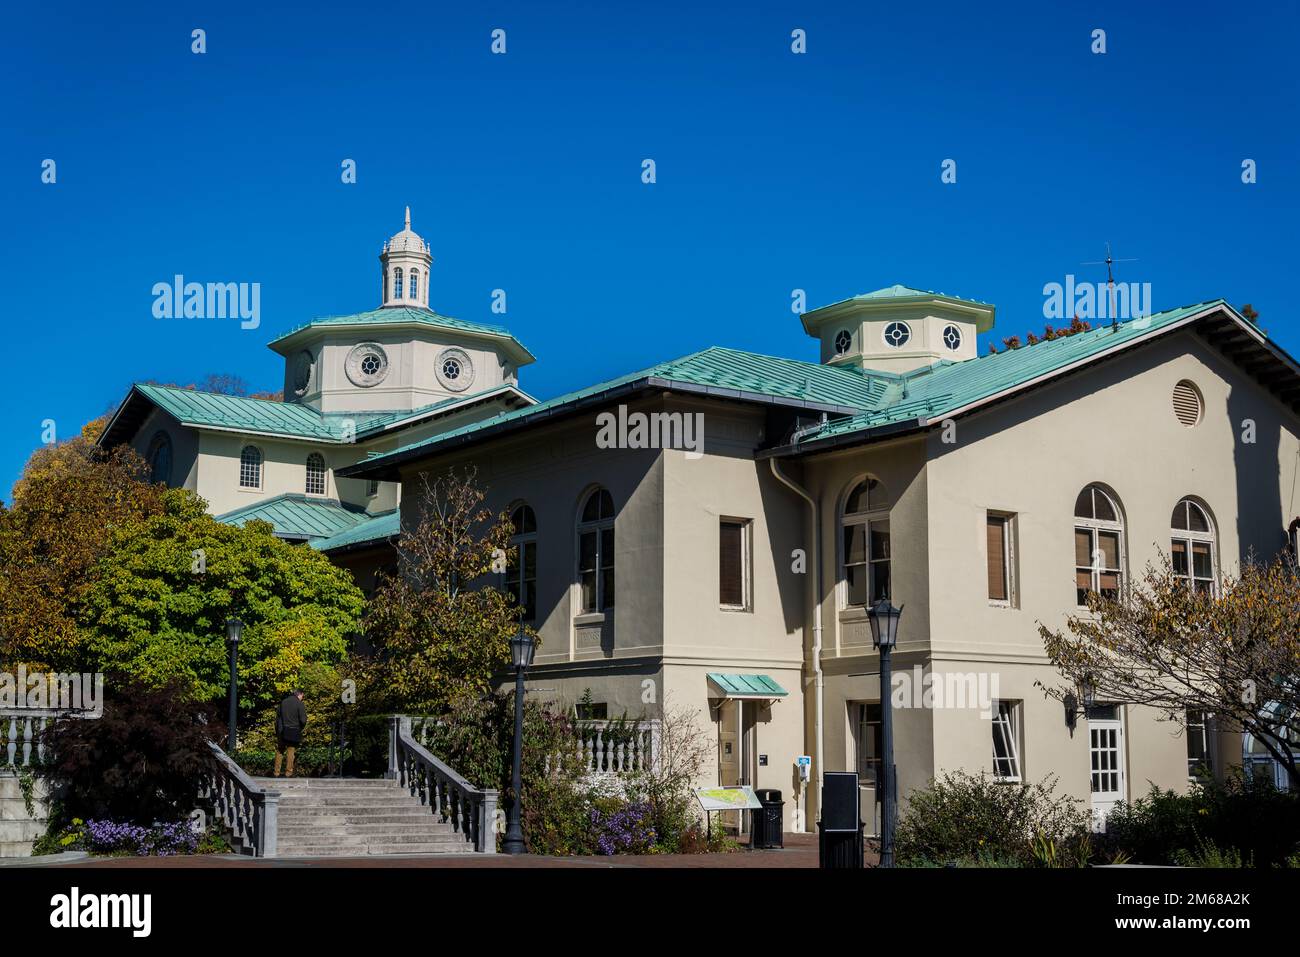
408 217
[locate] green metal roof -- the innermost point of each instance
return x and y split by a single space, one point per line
938 390
296 516
717 371
289 419
858 400
747 686
374 529
404 314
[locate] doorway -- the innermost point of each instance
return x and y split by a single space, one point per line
1106 761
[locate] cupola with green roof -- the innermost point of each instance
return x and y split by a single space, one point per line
898 329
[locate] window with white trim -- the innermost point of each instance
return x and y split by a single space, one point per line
1098 544
865 544
521 571
1200 764
1192 546
596 552
397 283
250 467
1000 554
414 291
315 474
733 564
1006 741
868 739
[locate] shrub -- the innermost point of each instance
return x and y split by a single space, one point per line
116 838
963 817
619 827
1235 819
141 762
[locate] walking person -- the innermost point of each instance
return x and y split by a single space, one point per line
290 720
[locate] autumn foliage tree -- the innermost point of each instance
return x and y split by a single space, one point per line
440 626
1234 654
72 500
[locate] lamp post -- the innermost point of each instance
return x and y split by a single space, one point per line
522 648
234 628
884 635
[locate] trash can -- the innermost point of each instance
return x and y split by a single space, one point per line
768 822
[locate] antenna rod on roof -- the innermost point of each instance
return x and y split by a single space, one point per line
1108 262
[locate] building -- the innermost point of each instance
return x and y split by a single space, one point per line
708 533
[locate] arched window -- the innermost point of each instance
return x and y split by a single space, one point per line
1098 544
397 283
866 553
1193 545
160 459
414 291
250 467
315 474
521 574
596 551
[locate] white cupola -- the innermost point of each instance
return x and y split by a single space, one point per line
898 329
406 260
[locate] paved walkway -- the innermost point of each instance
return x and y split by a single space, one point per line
800 851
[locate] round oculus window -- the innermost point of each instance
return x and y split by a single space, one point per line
454 369
952 337
842 342
302 364
896 334
367 364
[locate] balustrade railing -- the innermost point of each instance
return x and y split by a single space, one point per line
249 811
618 747
471 811
22 733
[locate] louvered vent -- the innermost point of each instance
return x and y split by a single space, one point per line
1187 403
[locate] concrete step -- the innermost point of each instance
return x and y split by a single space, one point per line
367 850
383 799
343 830
325 818
326 784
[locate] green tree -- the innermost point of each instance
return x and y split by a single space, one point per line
158 608
440 627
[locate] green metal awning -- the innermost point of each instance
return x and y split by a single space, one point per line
745 686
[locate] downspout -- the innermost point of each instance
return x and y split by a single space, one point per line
817 618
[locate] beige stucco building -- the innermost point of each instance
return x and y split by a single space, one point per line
707 534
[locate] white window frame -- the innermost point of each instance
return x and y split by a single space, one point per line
515 574
323 476
597 527
243 466
1094 527
865 518
1187 537
1008 555
746 576
1007 721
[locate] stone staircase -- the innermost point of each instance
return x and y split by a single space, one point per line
356 817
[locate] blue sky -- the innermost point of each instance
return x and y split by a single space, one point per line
775 171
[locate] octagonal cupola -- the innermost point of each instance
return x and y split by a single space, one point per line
406 261
898 329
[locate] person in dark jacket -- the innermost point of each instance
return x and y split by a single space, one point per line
290 720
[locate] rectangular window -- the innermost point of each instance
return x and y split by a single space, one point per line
521 577
372 487
866 723
1006 741
1199 571
1198 746
1000 537
596 569
866 561
1096 563
733 563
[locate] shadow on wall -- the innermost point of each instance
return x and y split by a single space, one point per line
1257 428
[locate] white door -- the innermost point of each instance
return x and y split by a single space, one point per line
1106 752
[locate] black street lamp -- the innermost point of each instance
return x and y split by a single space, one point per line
884 635
234 628
522 648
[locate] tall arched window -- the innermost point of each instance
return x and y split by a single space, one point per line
414 291
160 459
1098 544
1193 545
866 552
397 283
315 474
521 574
250 467
596 551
